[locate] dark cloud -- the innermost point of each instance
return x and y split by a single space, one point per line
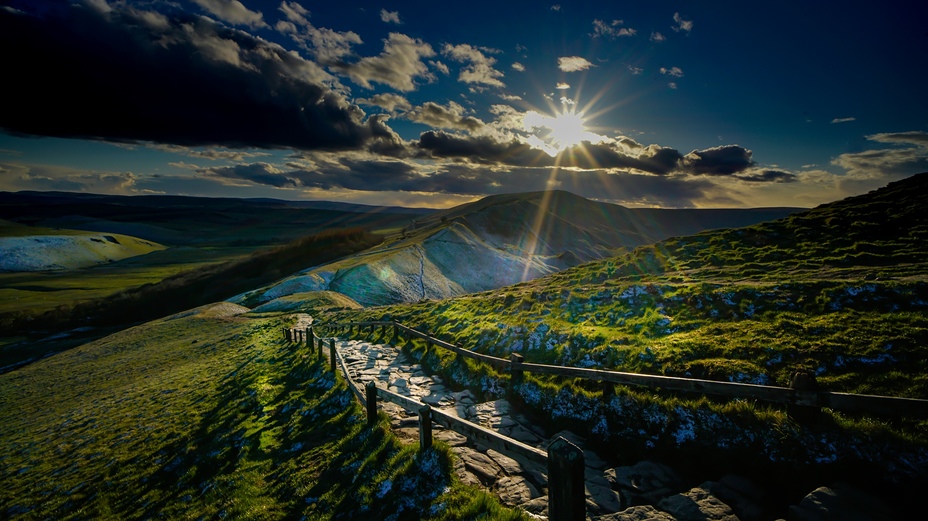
721 160
440 116
119 73
769 176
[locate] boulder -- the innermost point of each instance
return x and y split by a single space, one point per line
839 501
646 482
637 513
741 495
697 504
514 490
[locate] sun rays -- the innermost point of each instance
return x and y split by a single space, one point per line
555 134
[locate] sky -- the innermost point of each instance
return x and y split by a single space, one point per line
683 104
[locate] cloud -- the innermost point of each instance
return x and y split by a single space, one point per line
17 176
398 66
915 137
657 37
390 16
718 161
188 81
562 86
212 154
556 7
886 163
676 72
479 69
573 63
635 70
441 67
451 116
611 29
233 11
769 176
672 85
842 120
518 66
682 25
387 101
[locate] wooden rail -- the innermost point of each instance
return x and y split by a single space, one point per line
795 397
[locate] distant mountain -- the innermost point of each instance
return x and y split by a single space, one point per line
498 241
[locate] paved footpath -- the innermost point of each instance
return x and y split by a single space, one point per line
516 481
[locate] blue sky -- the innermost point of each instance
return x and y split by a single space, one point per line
674 104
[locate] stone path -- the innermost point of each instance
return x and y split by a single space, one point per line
516 481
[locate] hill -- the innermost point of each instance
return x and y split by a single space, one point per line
208 414
27 248
838 293
498 241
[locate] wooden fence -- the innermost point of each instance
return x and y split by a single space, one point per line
800 397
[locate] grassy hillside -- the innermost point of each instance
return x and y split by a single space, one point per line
838 291
498 241
172 294
209 415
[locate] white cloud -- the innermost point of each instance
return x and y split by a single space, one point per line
398 65
611 29
390 16
635 70
518 66
562 86
676 72
914 137
440 66
479 68
573 63
327 45
233 11
567 101
510 97
387 101
657 37
843 120
672 85
892 162
556 7
682 25
452 115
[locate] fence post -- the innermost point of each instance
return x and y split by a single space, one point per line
803 381
396 332
383 331
285 332
289 333
309 339
371 395
515 373
332 353
608 391
566 496
321 341
425 427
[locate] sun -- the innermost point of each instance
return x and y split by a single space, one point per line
557 133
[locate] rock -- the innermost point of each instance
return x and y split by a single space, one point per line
514 490
537 506
510 466
466 477
646 482
637 513
522 434
480 464
839 501
697 504
450 437
740 494
601 499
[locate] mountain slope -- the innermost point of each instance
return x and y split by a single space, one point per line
498 241
840 291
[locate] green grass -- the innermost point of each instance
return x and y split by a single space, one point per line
209 417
